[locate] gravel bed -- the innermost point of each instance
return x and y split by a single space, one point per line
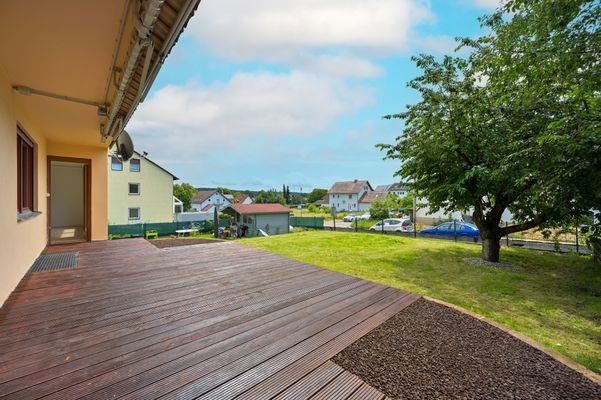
430 351
163 243
490 264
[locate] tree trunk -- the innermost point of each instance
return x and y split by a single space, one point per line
491 247
491 240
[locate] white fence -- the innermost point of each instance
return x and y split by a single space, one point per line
193 216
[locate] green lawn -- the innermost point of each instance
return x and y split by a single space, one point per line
553 298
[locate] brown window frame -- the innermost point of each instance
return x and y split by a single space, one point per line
25 173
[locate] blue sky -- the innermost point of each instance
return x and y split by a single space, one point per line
261 93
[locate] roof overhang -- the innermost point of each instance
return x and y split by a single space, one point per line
82 67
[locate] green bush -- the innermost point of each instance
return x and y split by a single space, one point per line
378 210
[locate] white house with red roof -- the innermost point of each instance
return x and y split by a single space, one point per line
368 198
346 195
206 200
271 218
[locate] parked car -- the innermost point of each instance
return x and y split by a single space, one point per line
454 228
350 218
364 217
393 225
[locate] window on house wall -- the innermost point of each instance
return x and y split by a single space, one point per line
247 219
134 188
116 164
25 172
134 165
350 196
134 213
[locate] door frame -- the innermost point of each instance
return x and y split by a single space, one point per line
87 192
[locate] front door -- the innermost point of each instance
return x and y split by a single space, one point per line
68 200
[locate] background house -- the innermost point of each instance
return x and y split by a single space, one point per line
272 218
139 190
369 197
243 199
400 189
346 195
60 110
206 200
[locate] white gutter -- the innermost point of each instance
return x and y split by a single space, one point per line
144 30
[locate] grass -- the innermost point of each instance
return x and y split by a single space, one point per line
553 298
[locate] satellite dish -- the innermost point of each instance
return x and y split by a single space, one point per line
125 146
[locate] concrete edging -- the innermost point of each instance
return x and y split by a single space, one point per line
550 352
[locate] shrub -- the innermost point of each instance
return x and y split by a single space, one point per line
378 210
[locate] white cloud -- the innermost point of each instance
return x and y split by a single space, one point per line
341 66
190 121
488 3
280 31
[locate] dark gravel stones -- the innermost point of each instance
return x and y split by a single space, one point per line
430 351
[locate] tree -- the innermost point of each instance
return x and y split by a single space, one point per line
515 126
406 202
185 192
270 196
316 194
379 209
223 190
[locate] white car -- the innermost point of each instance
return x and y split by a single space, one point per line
364 217
393 225
350 218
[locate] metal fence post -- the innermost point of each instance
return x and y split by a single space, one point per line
455 230
506 235
577 248
356 225
382 226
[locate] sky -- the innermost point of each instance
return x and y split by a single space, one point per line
257 94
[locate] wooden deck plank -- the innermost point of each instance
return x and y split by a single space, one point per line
210 362
269 379
218 319
366 392
193 347
172 327
340 388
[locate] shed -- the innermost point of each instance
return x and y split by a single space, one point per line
273 219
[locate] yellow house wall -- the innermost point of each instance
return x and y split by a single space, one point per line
99 181
156 193
23 241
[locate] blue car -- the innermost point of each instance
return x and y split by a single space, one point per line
459 229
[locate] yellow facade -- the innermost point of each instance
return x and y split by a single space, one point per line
67 79
155 200
23 241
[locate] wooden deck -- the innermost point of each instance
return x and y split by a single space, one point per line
215 321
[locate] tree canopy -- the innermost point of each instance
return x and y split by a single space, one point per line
185 192
316 194
270 196
516 125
